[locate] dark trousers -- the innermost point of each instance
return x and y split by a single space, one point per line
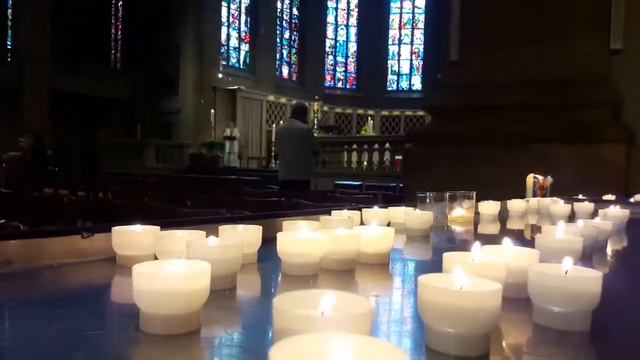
295 185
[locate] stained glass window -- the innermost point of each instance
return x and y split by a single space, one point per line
341 48
9 41
406 45
235 34
288 39
117 28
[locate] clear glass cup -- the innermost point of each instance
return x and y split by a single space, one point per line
461 206
436 202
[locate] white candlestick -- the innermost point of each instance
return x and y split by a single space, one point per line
301 252
475 263
583 210
516 207
134 244
518 260
354 215
212 120
170 294
459 312
489 209
417 222
375 216
300 225
225 256
335 345
564 295
173 244
376 243
249 235
342 249
306 311
553 248
335 222
560 212
273 133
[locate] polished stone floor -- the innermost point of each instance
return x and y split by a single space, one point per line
86 311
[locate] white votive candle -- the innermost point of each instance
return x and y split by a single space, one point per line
134 243
618 216
335 222
459 312
516 222
172 244
609 197
342 249
249 235
475 263
335 345
516 206
489 227
375 216
301 252
489 209
305 311
518 260
605 230
583 210
396 215
376 243
300 225
170 294
354 215
553 248
417 222
560 212
564 295
225 256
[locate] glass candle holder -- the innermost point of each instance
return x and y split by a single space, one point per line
461 206
436 202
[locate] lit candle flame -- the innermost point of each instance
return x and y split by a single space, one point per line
136 227
567 265
560 229
598 219
476 251
460 278
326 304
506 242
458 212
581 196
580 223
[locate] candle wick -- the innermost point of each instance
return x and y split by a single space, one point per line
566 272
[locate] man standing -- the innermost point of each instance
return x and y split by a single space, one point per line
296 150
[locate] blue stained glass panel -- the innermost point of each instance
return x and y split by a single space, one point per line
405 59
341 69
235 34
288 35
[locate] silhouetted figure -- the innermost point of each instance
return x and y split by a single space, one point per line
296 149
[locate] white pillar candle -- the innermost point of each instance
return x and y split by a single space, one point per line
375 216
489 227
605 229
609 197
134 243
475 263
417 222
342 249
583 210
172 244
249 235
489 209
516 206
225 256
396 214
560 212
376 243
354 215
564 295
518 260
459 312
553 248
335 345
305 311
300 225
335 222
170 294
301 252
